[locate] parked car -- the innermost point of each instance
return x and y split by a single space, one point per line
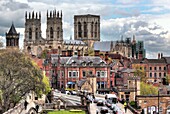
100 103
96 100
104 110
117 110
108 104
67 92
73 92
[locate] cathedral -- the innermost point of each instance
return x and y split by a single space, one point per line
86 35
86 27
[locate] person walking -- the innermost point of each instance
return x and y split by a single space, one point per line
37 108
25 104
125 106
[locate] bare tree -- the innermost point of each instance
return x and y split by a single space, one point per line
18 76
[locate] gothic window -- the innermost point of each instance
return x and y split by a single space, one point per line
51 33
79 29
36 33
155 75
30 33
96 29
58 29
85 29
92 29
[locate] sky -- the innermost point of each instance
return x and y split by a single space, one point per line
148 20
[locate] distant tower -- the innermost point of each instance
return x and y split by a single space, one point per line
87 28
54 31
12 38
32 26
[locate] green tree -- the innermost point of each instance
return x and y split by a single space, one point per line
18 76
147 89
139 71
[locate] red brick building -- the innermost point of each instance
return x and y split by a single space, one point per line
155 69
67 71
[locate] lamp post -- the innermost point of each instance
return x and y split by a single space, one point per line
158 100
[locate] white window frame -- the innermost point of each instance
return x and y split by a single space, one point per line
69 74
76 74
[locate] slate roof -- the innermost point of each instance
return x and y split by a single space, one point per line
78 60
104 45
167 59
12 30
81 82
127 70
74 42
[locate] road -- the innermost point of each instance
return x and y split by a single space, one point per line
75 100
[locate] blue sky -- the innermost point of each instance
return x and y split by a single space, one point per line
148 20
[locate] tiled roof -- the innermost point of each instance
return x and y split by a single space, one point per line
115 56
156 60
127 70
145 61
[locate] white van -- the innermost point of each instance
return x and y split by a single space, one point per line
112 98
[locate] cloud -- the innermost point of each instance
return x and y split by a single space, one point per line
154 36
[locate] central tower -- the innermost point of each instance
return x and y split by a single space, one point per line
87 28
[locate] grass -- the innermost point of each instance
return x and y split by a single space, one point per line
66 112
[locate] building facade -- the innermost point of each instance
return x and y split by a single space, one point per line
87 28
68 71
155 69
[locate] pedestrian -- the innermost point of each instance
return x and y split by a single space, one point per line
25 104
125 106
37 108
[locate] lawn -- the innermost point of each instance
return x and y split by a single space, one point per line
66 112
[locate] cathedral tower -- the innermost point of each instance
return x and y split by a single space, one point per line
87 28
54 31
12 38
32 26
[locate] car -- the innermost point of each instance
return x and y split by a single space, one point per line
100 103
104 110
56 91
108 104
73 92
96 100
117 110
113 106
67 93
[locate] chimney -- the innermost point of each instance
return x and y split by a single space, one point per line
79 53
161 55
158 55
106 56
96 52
64 53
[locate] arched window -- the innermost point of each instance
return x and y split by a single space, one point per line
79 29
92 24
51 33
58 32
36 33
85 29
30 33
96 29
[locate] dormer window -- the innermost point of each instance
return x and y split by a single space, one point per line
73 63
83 63
90 63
